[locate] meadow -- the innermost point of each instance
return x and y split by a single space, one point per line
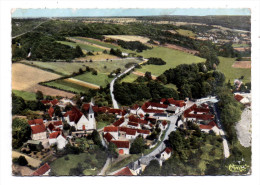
83 46
25 95
67 86
170 56
187 33
100 79
232 73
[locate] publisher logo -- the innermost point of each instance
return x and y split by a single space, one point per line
238 167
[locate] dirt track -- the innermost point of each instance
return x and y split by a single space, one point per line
179 48
242 64
142 74
82 83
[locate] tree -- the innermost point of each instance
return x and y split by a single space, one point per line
18 104
112 150
78 51
162 78
21 132
78 171
152 169
96 138
137 146
148 75
57 111
22 161
39 95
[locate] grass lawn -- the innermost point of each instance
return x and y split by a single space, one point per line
170 56
83 46
100 79
187 33
102 124
231 73
130 78
171 86
62 167
25 95
65 85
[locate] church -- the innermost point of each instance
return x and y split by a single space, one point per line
80 121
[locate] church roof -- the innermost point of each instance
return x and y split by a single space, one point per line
91 110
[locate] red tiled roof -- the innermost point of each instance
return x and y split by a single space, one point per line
153 111
85 106
135 107
204 105
132 118
168 150
57 123
110 129
74 114
158 105
35 122
54 102
119 122
187 111
42 170
238 97
51 126
54 135
124 172
208 127
133 124
38 129
108 137
205 110
143 131
179 103
164 123
51 111
45 101
115 111
201 116
131 132
163 100
121 144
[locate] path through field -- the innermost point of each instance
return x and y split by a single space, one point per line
82 83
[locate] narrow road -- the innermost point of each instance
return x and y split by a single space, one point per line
105 167
115 104
29 30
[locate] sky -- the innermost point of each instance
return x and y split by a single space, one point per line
124 12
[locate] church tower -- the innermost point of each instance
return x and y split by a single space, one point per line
91 118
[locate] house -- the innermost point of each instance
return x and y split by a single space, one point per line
123 172
135 167
61 142
244 98
44 170
122 146
38 132
175 106
76 118
108 137
133 125
120 122
195 113
161 116
53 137
166 154
51 112
163 125
112 131
58 124
212 126
35 122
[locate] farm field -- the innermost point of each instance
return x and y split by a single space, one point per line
66 85
68 68
129 38
171 57
187 33
26 78
129 78
25 95
100 79
232 73
240 45
97 42
242 64
86 47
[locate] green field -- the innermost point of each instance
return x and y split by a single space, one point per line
25 95
62 167
170 56
171 86
187 33
83 46
100 79
62 84
240 45
231 73
129 78
100 43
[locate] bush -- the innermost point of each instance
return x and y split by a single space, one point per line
22 161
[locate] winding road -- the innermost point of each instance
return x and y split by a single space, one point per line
115 104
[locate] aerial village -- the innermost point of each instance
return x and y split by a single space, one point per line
137 121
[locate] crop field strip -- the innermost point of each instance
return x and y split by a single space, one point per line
83 46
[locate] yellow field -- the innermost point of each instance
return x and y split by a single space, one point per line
129 38
26 78
82 83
